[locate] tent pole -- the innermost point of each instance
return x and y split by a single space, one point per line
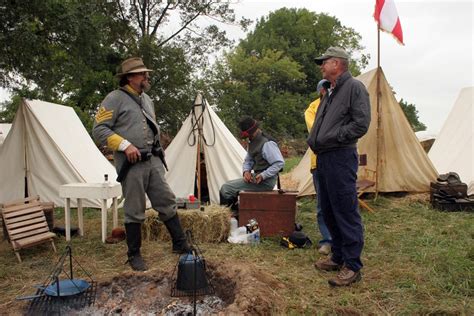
198 160
377 171
379 118
198 166
23 104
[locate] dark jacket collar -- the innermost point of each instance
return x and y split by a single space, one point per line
343 78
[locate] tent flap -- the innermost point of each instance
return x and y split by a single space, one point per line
221 152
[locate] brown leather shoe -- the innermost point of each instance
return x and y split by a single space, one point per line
325 249
345 277
326 264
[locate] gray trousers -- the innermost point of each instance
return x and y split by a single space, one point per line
148 178
230 190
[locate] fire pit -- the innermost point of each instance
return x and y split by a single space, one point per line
63 290
240 287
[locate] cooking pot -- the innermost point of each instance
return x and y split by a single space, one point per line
191 273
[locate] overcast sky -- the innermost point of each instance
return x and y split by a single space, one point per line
429 71
433 66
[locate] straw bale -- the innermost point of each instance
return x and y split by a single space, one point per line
288 183
210 225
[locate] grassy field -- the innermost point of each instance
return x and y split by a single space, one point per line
417 261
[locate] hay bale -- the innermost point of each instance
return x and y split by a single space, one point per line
210 225
288 183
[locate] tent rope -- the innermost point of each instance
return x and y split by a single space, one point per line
195 126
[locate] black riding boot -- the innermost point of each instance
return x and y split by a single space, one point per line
233 203
134 242
180 245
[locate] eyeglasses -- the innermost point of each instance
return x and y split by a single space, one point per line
144 74
325 61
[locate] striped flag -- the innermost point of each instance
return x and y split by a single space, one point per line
387 18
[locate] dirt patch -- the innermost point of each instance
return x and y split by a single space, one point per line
246 288
240 288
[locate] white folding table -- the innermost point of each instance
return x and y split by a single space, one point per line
79 191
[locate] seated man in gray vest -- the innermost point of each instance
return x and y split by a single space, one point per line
261 165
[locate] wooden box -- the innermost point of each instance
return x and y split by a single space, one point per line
274 212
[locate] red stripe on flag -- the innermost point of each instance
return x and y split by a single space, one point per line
397 32
378 8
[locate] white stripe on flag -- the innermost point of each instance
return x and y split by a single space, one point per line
388 15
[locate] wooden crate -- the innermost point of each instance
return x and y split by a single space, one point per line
274 212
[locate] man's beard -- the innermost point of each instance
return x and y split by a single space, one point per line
145 85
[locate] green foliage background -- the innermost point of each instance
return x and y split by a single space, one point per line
68 52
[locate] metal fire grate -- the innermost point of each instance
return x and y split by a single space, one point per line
44 304
53 305
208 290
198 266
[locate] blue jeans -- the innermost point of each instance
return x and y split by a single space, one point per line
323 229
337 173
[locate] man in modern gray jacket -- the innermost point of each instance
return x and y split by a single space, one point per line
126 123
342 118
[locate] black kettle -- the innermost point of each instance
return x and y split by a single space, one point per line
191 273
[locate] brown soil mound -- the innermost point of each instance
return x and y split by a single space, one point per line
246 288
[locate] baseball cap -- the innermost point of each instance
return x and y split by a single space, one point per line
332 52
321 85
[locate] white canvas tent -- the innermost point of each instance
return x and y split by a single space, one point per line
4 129
49 146
301 174
453 149
426 139
403 164
203 131
425 136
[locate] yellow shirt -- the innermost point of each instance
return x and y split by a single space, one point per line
309 116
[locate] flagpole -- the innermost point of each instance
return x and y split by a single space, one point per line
379 132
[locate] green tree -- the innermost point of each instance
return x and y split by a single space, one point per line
303 35
272 76
68 51
261 86
411 113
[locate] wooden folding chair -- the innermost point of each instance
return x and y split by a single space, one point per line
367 181
26 224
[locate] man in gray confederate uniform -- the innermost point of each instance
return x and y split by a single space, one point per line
126 123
